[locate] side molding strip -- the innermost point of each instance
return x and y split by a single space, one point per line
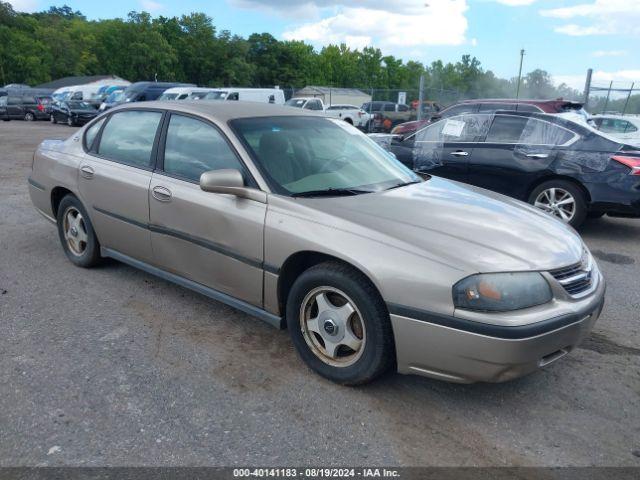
35 184
201 242
241 305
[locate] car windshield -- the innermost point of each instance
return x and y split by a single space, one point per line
316 155
116 96
80 106
295 102
216 96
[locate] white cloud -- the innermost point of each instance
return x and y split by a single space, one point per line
24 5
621 78
408 23
609 53
515 3
600 17
151 6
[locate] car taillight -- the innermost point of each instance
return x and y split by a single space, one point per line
632 162
360 113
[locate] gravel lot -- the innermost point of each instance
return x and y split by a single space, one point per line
112 366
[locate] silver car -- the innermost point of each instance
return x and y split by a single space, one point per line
304 222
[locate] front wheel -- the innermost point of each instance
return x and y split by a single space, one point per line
339 324
76 233
562 199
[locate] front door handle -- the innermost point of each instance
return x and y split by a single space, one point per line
162 194
86 171
459 153
538 155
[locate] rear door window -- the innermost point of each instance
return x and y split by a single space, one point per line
128 137
506 129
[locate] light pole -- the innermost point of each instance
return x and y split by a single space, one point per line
520 73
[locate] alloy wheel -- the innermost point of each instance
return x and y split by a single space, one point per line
75 232
558 202
332 326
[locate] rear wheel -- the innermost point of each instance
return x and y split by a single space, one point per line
562 199
76 233
29 117
339 324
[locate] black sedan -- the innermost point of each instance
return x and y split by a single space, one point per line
567 169
72 113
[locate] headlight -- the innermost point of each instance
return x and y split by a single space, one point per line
500 292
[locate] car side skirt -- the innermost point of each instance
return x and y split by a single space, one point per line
238 304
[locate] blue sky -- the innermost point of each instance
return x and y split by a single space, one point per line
564 37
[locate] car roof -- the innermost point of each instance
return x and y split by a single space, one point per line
220 109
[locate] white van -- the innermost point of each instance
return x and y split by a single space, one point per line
185 93
263 95
78 92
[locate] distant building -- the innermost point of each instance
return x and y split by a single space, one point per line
85 80
335 96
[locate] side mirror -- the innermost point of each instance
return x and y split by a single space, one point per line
230 182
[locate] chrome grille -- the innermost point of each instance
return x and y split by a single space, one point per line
575 279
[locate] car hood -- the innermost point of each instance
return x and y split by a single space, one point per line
84 112
460 225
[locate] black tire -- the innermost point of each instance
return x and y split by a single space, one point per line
29 117
580 202
378 350
90 255
349 121
52 119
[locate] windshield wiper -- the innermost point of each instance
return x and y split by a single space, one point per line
331 192
403 184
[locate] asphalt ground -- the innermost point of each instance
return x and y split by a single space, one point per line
112 366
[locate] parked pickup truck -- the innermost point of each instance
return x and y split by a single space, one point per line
349 113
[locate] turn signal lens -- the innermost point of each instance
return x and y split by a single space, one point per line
632 162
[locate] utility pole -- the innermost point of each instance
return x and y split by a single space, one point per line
420 96
587 88
520 73
626 103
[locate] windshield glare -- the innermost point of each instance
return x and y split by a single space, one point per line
295 102
305 154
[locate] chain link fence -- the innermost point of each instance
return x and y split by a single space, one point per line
614 97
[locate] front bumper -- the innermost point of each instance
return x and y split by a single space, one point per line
448 349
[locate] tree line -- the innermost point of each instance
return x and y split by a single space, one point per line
39 47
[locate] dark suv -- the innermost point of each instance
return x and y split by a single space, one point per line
26 106
490 105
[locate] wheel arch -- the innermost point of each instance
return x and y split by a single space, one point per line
566 178
297 263
57 194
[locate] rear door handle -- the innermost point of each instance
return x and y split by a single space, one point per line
162 194
86 171
538 155
459 153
